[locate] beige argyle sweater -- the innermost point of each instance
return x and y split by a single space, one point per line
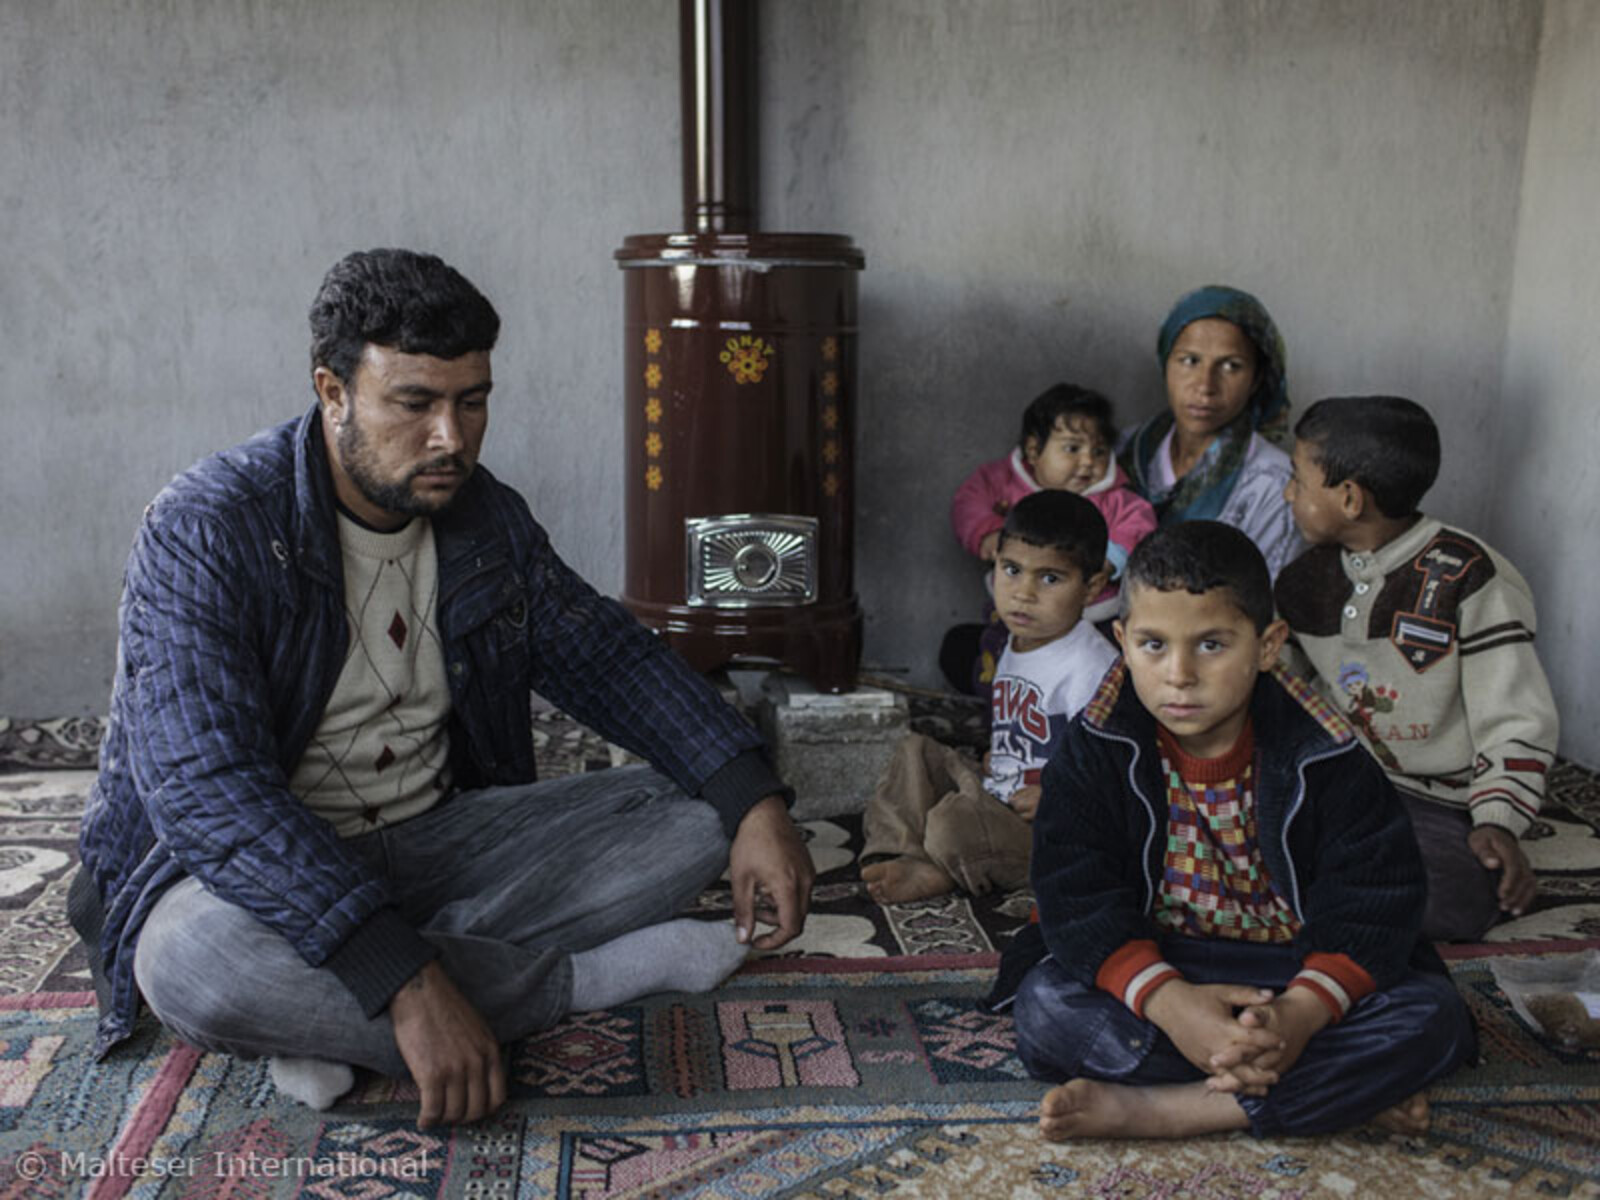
382 749
1426 646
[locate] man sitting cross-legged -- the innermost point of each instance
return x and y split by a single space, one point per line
316 834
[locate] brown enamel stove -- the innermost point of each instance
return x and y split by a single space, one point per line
740 368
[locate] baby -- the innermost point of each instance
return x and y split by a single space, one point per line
1066 442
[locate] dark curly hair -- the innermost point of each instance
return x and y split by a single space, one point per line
1063 401
1062 521
1196 556
1387 444
415 303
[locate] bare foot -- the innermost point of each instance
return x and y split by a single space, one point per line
898 880
1086 1108
1409 1117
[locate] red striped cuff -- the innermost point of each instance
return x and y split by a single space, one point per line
1496 805
1133 972
1335 979
1524 806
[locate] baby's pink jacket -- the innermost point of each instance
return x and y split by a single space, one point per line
981 504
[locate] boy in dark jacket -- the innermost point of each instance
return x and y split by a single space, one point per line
1228 887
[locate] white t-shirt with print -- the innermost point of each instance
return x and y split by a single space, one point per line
1035 694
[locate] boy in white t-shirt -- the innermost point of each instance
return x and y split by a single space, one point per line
934 824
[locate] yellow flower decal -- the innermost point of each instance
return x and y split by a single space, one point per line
830 484
830 349
830 383
652 376
747 358
830 451
652 445
652 410
652 479
652 341
830 417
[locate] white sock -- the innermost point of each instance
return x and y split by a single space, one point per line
676 956
312 1081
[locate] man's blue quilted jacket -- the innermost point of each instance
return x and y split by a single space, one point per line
233 634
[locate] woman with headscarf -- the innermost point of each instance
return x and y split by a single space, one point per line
1210 455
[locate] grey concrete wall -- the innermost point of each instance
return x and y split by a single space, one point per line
1033 181
178 175
1547 484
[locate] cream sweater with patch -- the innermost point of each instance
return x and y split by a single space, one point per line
1426 646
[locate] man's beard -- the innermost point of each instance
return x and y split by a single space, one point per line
396 496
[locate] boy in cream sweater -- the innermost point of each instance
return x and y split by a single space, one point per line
1423 637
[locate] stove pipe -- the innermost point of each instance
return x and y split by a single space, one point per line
740 373
717 90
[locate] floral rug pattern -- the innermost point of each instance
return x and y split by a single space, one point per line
852 1063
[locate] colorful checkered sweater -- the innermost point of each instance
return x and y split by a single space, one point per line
1214 883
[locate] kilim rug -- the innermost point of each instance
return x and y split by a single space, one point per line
852 1064
806 1078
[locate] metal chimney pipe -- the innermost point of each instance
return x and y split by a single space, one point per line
717 44
739 385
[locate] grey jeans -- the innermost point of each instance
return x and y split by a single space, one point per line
507 883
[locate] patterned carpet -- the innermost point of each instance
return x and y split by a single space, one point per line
854 1064
809 1078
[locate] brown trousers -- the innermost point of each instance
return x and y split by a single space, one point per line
1463 894
930 804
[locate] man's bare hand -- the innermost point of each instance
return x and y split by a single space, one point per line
448 1048
1497 849
769 863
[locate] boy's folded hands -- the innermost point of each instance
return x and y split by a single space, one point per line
1242 1067
1245 1038
1200 1020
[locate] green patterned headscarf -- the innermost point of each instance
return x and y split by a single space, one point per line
1202 493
